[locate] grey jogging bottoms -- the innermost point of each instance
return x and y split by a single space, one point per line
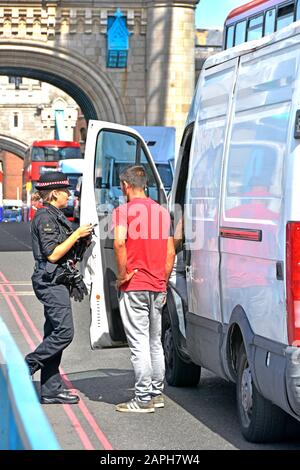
141 316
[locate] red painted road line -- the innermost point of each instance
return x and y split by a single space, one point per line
22 308
67 408
78 428
17 318
85 411
90 419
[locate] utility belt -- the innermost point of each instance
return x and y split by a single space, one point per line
66 274
39 264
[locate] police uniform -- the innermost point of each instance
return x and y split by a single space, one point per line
49 229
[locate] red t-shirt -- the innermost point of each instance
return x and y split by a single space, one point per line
148 228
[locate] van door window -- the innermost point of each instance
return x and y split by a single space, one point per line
114 151
254 172
152 188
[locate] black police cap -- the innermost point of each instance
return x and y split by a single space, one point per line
52 180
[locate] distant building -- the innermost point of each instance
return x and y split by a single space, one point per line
207 42
31 110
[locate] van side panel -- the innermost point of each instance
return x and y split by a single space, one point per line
252 271
202 207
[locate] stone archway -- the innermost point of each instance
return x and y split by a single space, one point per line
13 145
84 81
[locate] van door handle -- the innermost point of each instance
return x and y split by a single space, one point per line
279 271
187 257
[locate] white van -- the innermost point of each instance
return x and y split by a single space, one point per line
234 302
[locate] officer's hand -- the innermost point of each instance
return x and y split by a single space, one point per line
78 290
84 230
76 294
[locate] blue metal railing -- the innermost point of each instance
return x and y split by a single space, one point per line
23 424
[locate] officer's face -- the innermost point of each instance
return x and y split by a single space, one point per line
62 196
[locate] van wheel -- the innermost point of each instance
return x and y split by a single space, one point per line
259 419
178 372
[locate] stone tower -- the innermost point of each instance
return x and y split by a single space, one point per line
170 58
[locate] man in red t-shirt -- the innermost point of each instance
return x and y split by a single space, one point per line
144 250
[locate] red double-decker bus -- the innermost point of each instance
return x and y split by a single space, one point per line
43 156
258 18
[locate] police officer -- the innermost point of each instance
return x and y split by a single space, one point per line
53 243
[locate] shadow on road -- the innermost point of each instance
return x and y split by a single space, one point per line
106 385
212 403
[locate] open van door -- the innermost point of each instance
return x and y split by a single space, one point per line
109 149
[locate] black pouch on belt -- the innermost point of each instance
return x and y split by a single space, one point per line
50 271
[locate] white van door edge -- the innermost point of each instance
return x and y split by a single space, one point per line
98 265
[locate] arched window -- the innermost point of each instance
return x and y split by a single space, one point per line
16 120
7 27
83 133
36 28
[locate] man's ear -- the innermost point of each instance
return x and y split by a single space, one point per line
125 184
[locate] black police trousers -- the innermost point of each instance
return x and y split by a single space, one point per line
58 332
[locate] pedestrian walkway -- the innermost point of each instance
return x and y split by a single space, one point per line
19 403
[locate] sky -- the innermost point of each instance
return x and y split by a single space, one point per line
211 14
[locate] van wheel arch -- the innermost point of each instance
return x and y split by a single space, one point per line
239 331
234 341
180 370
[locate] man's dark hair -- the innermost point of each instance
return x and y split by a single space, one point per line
135 176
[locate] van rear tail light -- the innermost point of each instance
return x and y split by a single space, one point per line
293 281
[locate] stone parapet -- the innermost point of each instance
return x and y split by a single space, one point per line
45 20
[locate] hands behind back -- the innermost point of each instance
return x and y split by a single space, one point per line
121 280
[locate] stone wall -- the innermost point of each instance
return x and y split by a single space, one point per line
27 112
158 83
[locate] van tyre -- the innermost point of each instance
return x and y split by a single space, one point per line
260 420
178 372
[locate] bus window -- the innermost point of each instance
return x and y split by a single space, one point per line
285 16
298 11
277 13
42 156
53 154
270 21
255 28
229 37
240 33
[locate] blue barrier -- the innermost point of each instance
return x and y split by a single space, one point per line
23 424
